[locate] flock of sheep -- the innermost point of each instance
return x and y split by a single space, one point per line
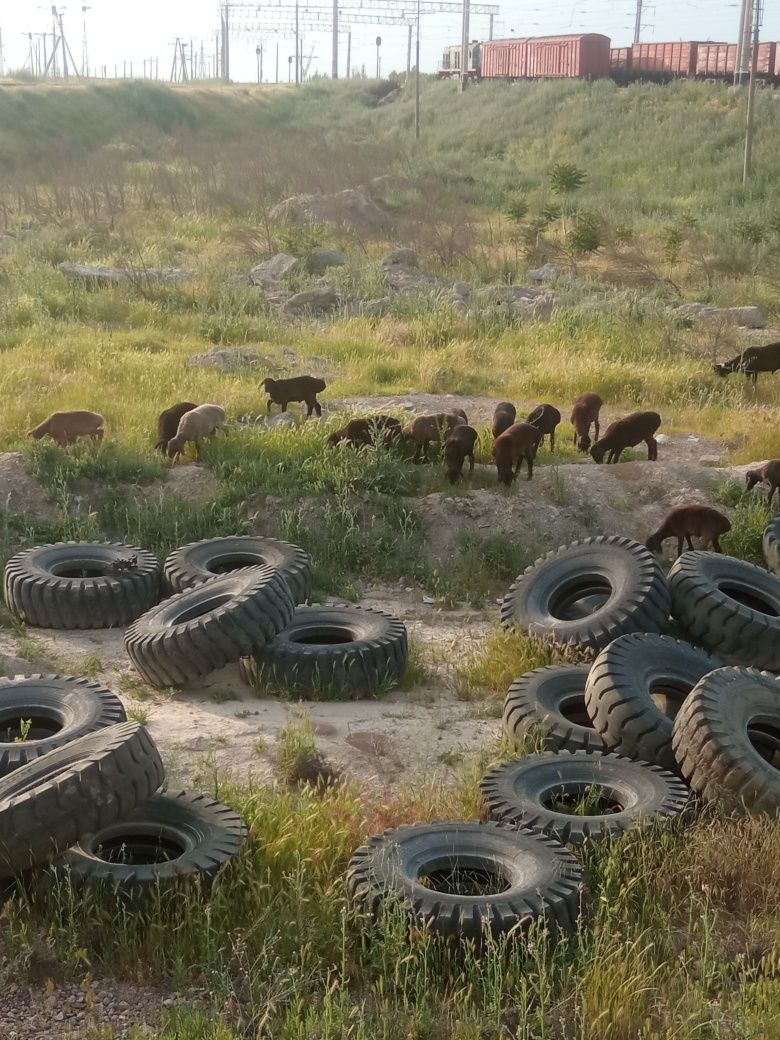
514 442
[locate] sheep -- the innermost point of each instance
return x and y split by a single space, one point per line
298 388
751 361
381 429
427 428
519 442
193 426
67 427
168 423
503 417
625 433
545 418
769 474
458 446
684 522
585 411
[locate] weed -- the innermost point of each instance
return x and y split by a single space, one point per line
139 714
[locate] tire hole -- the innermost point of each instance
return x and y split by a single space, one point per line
749 598
765 739
74 569
199 609
581 799
668 696
18 727
580 597
234 562
456 879
573 710
135 850
322 637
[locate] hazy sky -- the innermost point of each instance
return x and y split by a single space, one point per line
132 30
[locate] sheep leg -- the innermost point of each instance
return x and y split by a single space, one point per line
652 449
471 463
529 460
598 428
716 543
270 403
317 408
196 442
772 489
552 441
679 545
688 541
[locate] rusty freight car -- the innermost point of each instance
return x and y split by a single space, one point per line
582 56
665 59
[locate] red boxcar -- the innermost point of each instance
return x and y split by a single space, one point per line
620 60
547 57
665 59
719 60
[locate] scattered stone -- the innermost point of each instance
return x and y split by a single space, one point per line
463 289
385 184
321 300
509 294
662 438
747 317
7 244
366 308
113 275
319 260
713 461
269 272
237 359
348 208
389 98
281 420
405 256
545 273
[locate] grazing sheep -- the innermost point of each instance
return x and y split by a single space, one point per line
769 474
67 427
193 426
519 442
298 388
545 418
751 361
374 429
626 433
686 522
427 428
168 423
458 446
585 411
503 417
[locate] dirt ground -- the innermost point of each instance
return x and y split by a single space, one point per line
222 724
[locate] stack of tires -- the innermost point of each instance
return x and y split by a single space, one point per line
652 724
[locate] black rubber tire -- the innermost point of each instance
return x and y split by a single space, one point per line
735 630
199 561
712 739
51 803
620 687
371 652
544 881
771 544
515 793
36 593
214 624
199 834
551 702
60 709
627 573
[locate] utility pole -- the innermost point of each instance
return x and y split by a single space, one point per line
297 46
334 68
349 54
490 36
756 15
276 78
258 52
464 47
84 47
742 71
226 41
289 68
740 42
638 21
2 57
409 53
378 58
417 78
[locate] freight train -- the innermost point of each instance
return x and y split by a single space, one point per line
591 56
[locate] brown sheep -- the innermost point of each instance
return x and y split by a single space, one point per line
686 522
751 361
194 425
427 428
519 442
374 429
168 423
458 446
503 417
585 411
67 427
769 474
626 433
545 417
297 388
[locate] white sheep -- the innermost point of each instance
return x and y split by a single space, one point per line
194 425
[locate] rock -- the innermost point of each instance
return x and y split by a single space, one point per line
7 244
281 420
366 308
747 317
321 300
412 280
545 273
710 460
348 208
237 359
319 260
508 294
113 275
404 256
385 184
463 289
389 98
269 272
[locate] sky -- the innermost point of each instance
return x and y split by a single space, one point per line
123 31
